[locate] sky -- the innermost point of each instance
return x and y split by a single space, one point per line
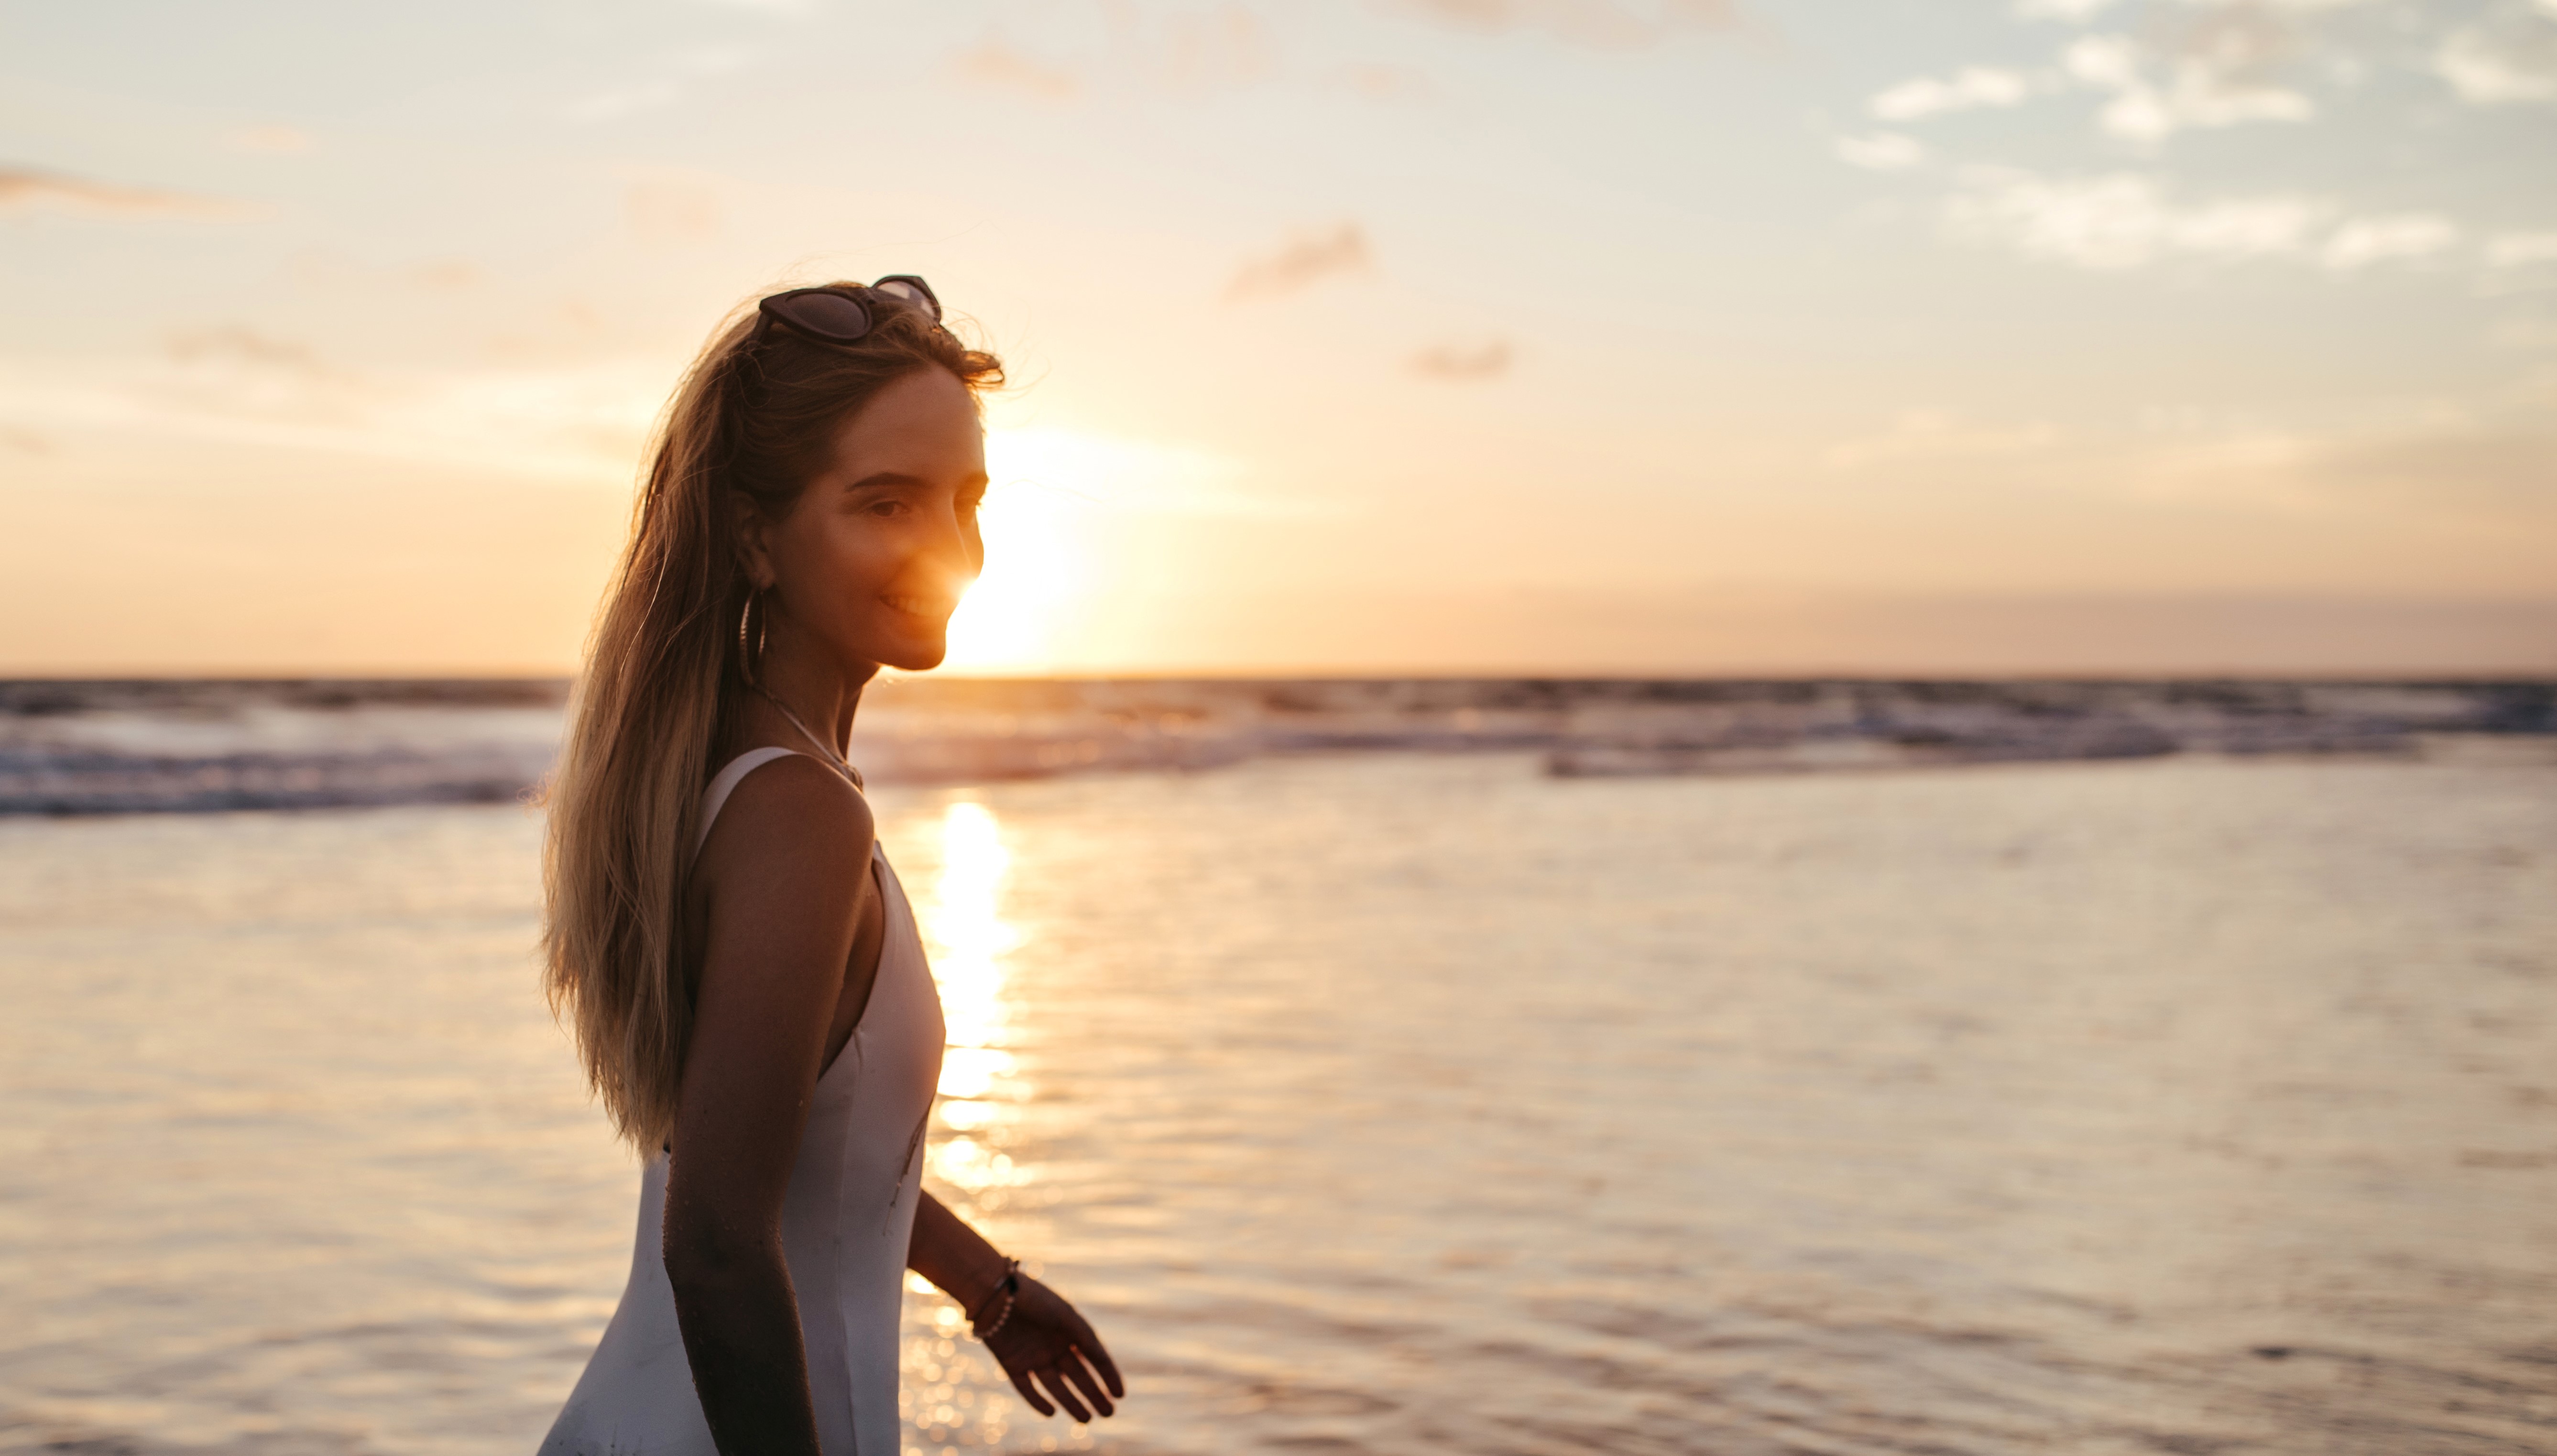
1345 335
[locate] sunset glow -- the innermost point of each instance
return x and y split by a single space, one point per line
1038 557
1621 336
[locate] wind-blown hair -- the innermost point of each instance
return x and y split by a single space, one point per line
750 423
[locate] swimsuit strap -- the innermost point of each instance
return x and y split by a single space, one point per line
725 783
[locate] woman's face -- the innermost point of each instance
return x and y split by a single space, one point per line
872 557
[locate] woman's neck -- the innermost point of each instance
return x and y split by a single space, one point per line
821 694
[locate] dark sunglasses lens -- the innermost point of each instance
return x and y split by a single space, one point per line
827 315
911 294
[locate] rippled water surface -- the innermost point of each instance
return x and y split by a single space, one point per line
1389 1104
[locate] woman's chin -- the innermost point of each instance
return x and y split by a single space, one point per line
916 651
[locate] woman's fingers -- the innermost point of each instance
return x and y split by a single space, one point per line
1029 1393
1083 1382
1064 1392
1088 1345
1056 1360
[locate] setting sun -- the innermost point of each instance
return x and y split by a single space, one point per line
1059 502
1037 558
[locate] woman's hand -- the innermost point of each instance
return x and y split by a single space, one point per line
1046 1341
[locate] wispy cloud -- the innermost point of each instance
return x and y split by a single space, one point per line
1967 90
2507 57
2076 12
2121 221
1461 363
2521 249
1304 260
25 190
2205 89
997 64
2403 237
2178 67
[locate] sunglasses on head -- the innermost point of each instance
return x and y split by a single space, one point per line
844 313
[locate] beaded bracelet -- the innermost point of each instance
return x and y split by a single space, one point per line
1009 1287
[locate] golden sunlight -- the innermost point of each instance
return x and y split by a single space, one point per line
1055 521
1037 565
967 939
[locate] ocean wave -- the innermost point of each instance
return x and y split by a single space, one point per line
195 746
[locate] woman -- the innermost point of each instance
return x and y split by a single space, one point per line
744 974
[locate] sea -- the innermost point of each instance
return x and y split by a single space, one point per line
1500 1066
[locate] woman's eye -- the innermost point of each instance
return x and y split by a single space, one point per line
884 509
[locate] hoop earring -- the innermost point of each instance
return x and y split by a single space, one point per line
750 635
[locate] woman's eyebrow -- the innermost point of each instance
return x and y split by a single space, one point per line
885 480
890 479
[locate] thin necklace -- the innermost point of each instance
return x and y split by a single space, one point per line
832 758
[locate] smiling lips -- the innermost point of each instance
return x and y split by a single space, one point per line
929 606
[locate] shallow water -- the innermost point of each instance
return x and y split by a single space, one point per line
1390 1103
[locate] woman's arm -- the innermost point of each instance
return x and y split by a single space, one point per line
1038 1336
786 871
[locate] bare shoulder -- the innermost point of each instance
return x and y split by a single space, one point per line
790 819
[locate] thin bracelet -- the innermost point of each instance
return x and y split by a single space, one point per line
1009 1287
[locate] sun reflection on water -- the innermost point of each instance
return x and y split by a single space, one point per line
968 938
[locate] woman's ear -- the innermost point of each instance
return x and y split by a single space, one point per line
753 542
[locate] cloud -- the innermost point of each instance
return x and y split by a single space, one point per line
2122 220
2521 249
1884 151
1304 260
2400 239
2219 84
1460 363
996 62
2076 12
2506 59
23 190
1620 23
1968 89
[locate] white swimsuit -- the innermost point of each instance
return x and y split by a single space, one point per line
845 1223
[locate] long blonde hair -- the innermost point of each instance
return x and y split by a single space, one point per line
751 423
